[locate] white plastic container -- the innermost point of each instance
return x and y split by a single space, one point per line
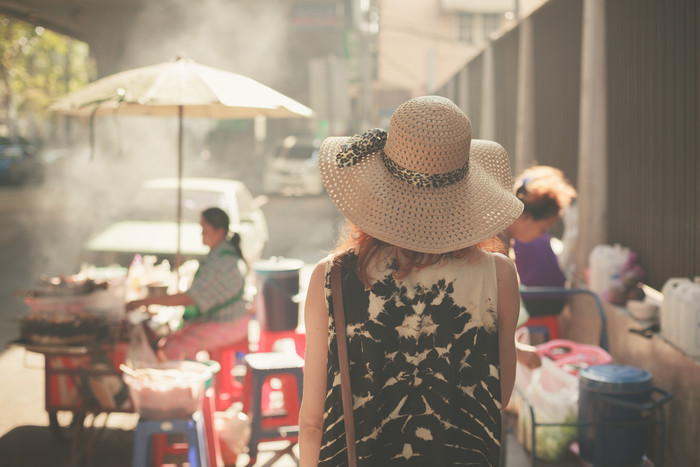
605 263
689 318
676 322
668 312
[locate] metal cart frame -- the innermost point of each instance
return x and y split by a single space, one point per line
655 405
75 428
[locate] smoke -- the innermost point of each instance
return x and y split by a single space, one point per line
246 37
84 194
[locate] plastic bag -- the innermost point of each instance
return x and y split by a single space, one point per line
233 429
553 395
140 354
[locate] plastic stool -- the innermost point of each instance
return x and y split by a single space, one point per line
160 447
546 324
192 428
289 368
269 338
228 390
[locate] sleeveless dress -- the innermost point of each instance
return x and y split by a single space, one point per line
424 366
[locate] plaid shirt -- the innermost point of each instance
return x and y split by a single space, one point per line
219 279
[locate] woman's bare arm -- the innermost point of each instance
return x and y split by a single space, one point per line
311 414
508 309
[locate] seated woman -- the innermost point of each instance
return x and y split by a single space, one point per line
216 314
545 193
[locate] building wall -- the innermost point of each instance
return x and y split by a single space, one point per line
652 106
416 45
652 109
653 144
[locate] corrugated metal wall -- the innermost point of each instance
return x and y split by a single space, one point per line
557 51
653 145
653 101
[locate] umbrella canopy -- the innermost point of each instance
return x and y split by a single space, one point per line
164 88
180 88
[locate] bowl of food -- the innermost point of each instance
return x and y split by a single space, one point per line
167 390
643 310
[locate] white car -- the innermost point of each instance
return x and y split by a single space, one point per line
294 168
151 226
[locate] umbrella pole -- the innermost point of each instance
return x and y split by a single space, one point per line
178 254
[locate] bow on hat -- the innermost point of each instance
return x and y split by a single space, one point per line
373 141
361 145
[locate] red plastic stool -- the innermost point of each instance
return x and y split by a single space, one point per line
546 323
160 446
269 338
228 390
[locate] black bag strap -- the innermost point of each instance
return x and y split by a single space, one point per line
341 340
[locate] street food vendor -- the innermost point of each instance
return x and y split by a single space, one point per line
215 310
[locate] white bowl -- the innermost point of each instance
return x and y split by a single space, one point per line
642 310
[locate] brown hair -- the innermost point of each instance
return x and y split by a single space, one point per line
368 248
544 191
217 218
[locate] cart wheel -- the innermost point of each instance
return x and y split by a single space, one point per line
63 423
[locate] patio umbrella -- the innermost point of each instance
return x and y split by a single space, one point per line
179 88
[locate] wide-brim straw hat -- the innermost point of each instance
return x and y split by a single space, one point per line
424 185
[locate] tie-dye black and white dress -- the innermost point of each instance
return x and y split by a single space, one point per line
424 366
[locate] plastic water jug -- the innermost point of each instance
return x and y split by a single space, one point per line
676 320
605 263
668 309
689 319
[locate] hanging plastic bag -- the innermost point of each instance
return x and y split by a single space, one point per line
553 395
140 354
233 429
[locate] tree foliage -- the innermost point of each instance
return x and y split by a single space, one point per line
37 65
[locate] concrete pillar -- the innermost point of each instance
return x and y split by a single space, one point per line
463 84
593 157
487 122
525 106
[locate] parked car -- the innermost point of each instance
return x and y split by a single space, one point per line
150 226
19 164
293 169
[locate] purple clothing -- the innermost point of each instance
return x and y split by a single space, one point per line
538 267
537 264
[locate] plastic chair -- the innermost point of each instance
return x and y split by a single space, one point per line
269 425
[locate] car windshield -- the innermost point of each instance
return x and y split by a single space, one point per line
160 204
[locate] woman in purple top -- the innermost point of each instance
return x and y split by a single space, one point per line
538 267
545 193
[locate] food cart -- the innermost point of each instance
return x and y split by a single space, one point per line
77 325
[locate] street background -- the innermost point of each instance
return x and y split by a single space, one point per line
43 228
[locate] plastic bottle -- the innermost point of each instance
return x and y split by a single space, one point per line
605 262
135 276
689 318
676 320
668 310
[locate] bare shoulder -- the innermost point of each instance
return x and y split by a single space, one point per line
505 268
318 273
